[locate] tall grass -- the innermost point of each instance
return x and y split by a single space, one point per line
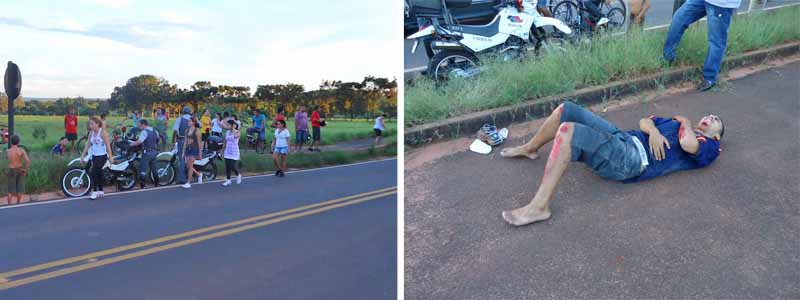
602 60
336 131
46 171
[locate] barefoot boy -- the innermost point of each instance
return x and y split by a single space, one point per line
16 172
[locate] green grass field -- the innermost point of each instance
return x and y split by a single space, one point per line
336 130
603 60
46 170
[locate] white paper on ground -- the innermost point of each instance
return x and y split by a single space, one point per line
503 133
479 146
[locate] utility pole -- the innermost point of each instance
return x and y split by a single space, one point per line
13 85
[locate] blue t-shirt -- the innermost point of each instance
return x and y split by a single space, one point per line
259 120
57 149
675 158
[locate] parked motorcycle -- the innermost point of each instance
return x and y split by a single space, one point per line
517 28
76 181
577 16
252 140
166 162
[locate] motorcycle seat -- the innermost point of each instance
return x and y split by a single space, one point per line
434 7
488 30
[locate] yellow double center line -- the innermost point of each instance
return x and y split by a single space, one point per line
104 257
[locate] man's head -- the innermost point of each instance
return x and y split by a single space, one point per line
711 126
187 110
63 141
15 140
143 124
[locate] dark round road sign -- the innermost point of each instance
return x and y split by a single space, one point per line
13 81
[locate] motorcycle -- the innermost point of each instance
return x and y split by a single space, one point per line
517 28
166 164
76 181
577 16
252 140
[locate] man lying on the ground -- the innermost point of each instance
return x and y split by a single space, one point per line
614 154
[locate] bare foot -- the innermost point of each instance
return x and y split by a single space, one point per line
522 216
518 151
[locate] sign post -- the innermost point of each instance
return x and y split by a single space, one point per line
13 85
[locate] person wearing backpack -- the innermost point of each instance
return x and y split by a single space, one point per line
179 136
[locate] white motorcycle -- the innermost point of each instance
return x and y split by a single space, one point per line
166 163
76 181
517 28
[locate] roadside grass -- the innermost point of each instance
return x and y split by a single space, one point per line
337 130
46 171
602 60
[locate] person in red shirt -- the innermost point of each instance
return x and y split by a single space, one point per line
71 127
279 117
316 124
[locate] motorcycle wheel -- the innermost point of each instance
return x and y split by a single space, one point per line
568 13
616 19
209 171
127 179
165 172
76 182
448 61
615 4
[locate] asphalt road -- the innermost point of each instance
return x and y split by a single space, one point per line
728 231
660 13
291 244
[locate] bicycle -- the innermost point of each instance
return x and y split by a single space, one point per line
575 15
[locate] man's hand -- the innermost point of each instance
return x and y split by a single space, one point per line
657 142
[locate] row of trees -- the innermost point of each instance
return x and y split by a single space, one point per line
368 98
371 96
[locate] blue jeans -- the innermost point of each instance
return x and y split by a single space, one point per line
608 151
719 20
181 163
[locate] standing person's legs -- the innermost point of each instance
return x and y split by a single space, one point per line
317 137
690 12
378 134
97 171
13 178
20 185
190 168
719 20
181 163
262 137
145 165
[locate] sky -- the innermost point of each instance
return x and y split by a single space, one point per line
87 47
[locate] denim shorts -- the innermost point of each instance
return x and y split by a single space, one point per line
301 136
608 151
542 3
281 150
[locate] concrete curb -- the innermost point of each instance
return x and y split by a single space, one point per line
468 124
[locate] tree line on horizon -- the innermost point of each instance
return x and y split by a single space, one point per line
364 99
